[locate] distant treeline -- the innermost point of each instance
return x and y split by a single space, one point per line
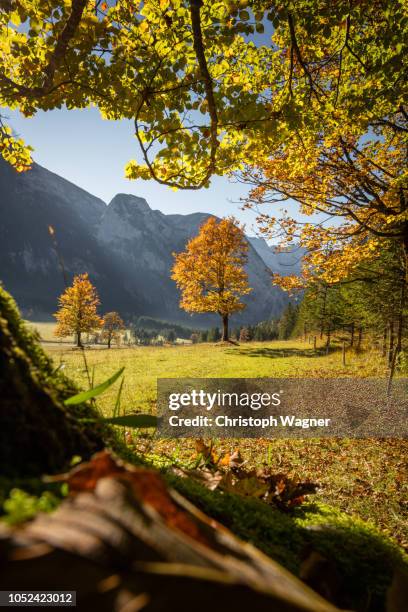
265 330
148 330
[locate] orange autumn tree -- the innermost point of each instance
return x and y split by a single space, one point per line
112 324
78 309
358 190
210 272
355 192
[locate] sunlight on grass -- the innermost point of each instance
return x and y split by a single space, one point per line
364 477
253 360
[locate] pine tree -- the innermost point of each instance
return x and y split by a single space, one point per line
204 336
287 321
170 335
214 334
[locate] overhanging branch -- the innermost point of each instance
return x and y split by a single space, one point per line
67 34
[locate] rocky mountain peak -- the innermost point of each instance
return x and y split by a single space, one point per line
126 203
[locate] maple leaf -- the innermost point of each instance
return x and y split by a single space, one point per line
202 448
231 460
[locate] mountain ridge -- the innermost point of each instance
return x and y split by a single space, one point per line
125 246
283 262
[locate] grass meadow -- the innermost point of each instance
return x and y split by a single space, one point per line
366 477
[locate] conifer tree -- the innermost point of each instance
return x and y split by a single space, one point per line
287 321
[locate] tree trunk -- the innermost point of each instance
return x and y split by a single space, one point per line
323 313
79 343
400 325
392 364
38 434
109 341
130 542
384 344
225 336
328 340
352 335
360 337
391 343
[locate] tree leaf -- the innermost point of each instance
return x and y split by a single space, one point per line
86 395
135 421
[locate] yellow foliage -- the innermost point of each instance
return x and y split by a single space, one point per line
78 309
358 186
112 325
210 272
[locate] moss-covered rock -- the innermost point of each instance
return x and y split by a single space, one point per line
38 434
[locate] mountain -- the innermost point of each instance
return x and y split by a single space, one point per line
282 262
29 203
126 247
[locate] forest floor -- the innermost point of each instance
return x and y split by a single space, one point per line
362 477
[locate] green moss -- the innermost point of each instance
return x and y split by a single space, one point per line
363 557
37 433
26 343
20 506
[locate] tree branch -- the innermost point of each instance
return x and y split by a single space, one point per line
195 6
67 33
298 54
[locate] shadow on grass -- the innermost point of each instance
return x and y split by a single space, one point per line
353 563
274 353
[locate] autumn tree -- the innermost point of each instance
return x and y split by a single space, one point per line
244 335
203 98
112 325
210 272
308 95
369 300
296 107
78 309
355 193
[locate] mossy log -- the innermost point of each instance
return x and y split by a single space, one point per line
38 434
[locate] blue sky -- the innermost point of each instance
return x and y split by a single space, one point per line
92 153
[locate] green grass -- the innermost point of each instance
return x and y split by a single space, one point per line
360 501
253 360
45 330
361 477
